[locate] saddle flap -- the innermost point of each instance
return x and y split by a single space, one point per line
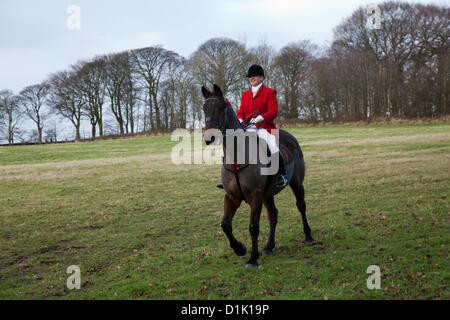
286 154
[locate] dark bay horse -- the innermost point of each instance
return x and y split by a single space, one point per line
244 182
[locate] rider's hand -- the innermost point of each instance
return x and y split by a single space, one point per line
257 119
240 120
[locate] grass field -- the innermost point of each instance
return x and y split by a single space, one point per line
140 227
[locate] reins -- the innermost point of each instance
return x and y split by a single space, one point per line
222 127
251 115
235 168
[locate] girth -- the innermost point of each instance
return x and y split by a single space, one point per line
235 167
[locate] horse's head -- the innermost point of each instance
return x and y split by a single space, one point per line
215 108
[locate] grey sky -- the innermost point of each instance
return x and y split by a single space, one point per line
35 41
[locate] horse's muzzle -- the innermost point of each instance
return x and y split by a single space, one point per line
212 135
209 141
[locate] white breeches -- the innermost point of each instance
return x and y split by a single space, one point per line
263 134
270 139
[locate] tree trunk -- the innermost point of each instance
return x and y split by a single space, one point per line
100 126
77 132
157 115
93 130
10 129
39 135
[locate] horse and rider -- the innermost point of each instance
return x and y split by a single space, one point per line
248 181
261 101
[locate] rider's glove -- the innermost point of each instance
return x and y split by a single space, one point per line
257 119
240 120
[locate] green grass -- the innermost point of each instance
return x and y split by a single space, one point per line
141 227
103 149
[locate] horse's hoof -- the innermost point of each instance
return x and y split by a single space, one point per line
310 241
251 265
267 251
241 251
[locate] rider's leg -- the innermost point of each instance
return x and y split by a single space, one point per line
271 141
282 178
219 185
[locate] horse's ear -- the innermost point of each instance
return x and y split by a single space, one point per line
217 91
206 92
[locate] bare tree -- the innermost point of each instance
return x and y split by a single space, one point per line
33 100
221 61
400 69
130 98
171 104
92 84
67 99
292 66
10 114
431 60
182 83
115 86
51 133
151 66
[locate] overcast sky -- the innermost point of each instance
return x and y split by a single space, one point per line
35 40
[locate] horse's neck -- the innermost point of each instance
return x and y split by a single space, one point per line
233 122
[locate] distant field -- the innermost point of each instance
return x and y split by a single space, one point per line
141 227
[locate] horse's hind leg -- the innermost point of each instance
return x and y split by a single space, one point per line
299 192
230 208
272 213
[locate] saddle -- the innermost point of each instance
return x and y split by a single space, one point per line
286 154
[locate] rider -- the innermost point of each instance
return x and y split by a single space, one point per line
263 99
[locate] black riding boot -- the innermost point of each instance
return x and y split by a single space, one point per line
282 178
219 185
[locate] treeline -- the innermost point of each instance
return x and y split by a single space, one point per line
400 69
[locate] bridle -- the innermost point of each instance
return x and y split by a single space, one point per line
222 126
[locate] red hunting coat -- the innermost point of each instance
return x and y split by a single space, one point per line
265 101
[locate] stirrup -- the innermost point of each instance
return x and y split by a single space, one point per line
220 186
282 181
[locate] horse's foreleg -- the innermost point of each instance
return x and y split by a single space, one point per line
255 215
230 208
272 213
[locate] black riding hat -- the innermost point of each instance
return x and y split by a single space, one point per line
255 70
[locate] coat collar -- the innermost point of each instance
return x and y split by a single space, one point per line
259 91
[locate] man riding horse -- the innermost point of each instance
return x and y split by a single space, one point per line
247 181
261 101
